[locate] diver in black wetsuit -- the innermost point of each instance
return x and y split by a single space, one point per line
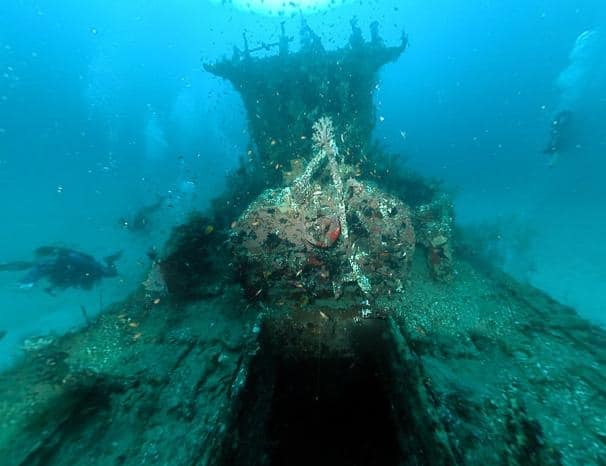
63 268
559 134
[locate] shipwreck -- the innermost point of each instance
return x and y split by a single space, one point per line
322 313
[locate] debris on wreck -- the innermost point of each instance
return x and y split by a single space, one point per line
325 231
155 284
434 227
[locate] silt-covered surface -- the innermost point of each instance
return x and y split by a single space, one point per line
492 370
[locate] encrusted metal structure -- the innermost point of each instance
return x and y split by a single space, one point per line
322 233
286 93
324 223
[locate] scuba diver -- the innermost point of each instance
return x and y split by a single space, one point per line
63 268
559 134
140 222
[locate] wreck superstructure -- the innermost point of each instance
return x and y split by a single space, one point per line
311 116
286 93
350 334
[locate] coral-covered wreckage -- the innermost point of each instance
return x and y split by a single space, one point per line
316 315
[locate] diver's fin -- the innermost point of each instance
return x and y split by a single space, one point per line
44 251
109 260
161 198
553 159
549 150
152 208
15 266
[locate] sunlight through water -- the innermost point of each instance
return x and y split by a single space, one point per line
283 7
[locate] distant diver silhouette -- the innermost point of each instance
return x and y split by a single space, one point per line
559 133
63 268
141 220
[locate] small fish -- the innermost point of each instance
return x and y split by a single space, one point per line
2 334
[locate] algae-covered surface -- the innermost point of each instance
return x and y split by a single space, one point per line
145 383
491 347
502 372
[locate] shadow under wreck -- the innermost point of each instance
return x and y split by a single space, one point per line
325 391
314 316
